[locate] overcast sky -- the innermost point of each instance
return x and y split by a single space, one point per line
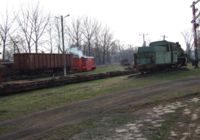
126 18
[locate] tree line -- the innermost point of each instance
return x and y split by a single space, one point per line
33 31
189 42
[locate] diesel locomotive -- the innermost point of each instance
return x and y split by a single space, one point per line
160 55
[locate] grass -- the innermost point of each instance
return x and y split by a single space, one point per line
99 69
6 129
69 130
20 104
172 123
89 129
25 103
173 75
103 126
164 132
28 102
106 68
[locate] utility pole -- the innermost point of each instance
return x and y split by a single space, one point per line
63 45
144 41
164 37
0 44
195 25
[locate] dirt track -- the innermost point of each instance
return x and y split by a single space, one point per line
36 124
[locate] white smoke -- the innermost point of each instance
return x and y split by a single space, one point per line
75 51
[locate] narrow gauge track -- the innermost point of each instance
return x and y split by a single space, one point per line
10 88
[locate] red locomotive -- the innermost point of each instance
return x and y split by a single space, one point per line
83 64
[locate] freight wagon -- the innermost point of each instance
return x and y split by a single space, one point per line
25 64
35 62
159 55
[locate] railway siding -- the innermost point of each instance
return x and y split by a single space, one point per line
11 88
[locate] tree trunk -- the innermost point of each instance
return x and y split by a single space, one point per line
104 55
89 48
36 46
4 50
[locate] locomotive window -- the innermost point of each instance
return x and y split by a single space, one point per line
168 48
171 47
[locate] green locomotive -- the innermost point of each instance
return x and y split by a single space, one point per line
159 55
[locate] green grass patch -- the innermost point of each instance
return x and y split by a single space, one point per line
28 102
5 129
173 75
24 103
69 130
98 128
172 123
104 127
106 68
164 131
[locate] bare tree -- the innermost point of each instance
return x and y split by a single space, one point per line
106 39
97 44
39 24
75 33
5 28
58 35
50 38
115 51
89 28
188 38
14 42
24 21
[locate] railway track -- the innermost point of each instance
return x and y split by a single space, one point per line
9 88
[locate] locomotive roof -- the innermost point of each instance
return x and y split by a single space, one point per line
87 57
152 48
161 43
161 46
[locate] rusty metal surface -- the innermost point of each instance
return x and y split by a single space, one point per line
35 61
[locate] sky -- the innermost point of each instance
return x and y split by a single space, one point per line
127 19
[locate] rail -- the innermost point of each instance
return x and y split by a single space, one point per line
13 88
